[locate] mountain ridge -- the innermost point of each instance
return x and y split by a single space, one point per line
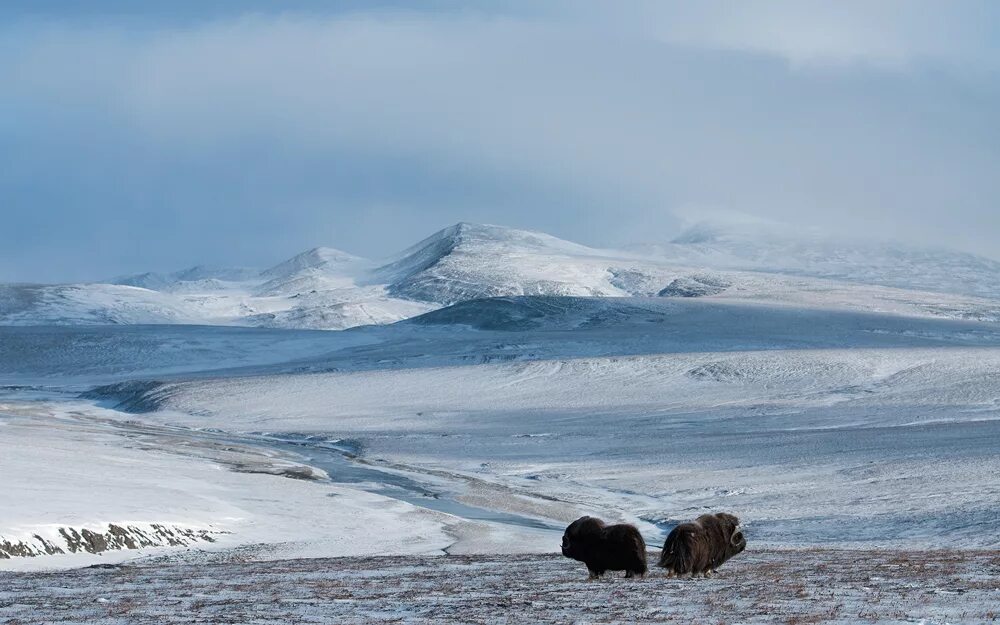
326 288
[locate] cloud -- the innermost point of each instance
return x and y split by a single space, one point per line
266 131
887 35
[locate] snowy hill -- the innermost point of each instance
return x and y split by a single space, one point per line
178 280
470 261
325 288
320 268
776 249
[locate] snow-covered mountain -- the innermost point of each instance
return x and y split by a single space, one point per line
325 288
187 278
321 268
779 249
471 261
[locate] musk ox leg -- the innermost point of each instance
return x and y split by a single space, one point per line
595 574
708 573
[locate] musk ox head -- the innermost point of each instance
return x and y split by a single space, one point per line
729 529
581 536
737 543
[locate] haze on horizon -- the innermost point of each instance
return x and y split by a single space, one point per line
140 138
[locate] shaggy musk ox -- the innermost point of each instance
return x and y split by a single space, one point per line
605 547
702 545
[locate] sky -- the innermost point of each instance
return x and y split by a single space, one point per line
141 136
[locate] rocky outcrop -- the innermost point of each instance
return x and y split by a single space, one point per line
113 537
695 286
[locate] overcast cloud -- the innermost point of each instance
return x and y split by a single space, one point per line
228 133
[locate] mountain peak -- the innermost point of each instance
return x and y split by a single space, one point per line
159 281
319 258
504 237
468 229
486 241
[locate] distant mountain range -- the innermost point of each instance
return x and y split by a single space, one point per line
325 288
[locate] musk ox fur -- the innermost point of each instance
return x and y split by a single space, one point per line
605 547
701 546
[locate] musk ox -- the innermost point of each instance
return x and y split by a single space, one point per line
605 547
701 546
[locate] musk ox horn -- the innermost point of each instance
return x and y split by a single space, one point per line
736 538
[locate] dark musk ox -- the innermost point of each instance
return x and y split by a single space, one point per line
605 547
701 546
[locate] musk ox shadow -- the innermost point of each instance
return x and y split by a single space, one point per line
605 547
701 546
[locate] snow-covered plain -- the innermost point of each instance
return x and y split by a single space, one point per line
82 356
819 427
72 470
870 444
841 412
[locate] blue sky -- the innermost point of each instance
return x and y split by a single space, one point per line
139 137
